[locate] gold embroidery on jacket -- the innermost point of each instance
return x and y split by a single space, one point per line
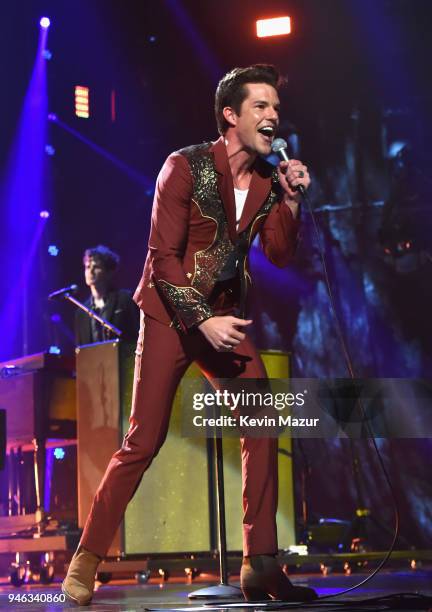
252 226
198 253
188 301
264 212
209 262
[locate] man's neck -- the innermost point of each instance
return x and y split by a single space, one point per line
98 293
241 162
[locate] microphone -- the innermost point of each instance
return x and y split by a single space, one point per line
279 147
61 293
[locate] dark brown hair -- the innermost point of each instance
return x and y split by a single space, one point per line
103 256
231 89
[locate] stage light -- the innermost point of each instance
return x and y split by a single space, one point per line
49 150
55 318
27 186
52 117
82 106
54 350
53 250
46 54
59 453
273 27
300 549
145 181
395 148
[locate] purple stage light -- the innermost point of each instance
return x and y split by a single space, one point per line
52 117
25 191
55 318
143 180
53 250
44 22
49 149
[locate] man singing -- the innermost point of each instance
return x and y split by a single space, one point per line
211 201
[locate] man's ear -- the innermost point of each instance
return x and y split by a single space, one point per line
230 116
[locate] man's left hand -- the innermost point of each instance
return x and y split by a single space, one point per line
291 174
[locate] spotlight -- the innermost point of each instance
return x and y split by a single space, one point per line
52 117
44 22
54 350
44 214
46 54
55 318
49 149
59 453
82 108
53 250
273 27
395 148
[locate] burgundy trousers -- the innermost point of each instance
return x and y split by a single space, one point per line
162 357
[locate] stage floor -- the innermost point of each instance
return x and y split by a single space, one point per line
126 595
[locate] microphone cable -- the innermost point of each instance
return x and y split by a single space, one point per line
349 365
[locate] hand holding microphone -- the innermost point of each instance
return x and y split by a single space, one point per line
293 174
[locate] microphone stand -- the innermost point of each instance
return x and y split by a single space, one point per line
223 590
112 329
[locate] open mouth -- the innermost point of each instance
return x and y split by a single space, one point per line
268 132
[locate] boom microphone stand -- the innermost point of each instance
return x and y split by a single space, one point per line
67 295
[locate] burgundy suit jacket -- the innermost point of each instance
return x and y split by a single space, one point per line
193 231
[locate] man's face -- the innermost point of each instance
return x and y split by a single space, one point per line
258 120
95 273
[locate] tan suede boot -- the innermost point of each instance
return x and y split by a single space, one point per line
79 583
262 578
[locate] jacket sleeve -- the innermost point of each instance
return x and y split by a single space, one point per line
167 242
279 235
